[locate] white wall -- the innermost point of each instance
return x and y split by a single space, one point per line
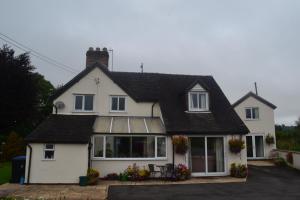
264 125
296 157
71 161
102 93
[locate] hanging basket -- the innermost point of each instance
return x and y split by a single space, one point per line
270 139
236 145
180 143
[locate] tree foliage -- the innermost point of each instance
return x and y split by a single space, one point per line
14 146
24 102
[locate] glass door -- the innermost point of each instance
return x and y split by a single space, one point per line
198 154
207 155
255 146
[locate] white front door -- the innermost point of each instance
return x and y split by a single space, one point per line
255 146
207 155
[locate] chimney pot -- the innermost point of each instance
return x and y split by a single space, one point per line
104 49
91 49
97 48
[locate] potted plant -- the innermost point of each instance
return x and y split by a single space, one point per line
180 143
92 175
236 145
238 171
270 139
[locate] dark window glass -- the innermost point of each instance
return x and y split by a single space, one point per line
98 146
248 113
121 103
49 146
161 147
78 102
143 147
88 102
49 154
194 100
114 103
255 113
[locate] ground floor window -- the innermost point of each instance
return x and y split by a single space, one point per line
49 151
255 146
207 154
129 146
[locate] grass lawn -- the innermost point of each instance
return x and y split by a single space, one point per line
5 172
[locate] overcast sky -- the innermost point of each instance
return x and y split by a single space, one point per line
238 42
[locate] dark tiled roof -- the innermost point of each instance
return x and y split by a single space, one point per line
63 129
251 94
170 90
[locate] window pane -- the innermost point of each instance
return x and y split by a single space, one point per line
98 146
198 154
114 103
88 102
194 99
202 101
121 103
78 102
161 147
215 154
118 147
255 113
143 147
49 146
49 154
259 146
248 113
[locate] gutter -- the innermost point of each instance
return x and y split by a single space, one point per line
29 164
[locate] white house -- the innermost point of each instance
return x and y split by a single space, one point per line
258 115
108 120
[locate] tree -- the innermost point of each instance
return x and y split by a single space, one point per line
14 146
24 101
298 123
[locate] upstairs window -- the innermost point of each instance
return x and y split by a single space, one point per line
252 113
118 103
84 102
198 101
49 151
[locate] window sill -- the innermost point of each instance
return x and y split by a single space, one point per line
198 111
131 159
48 159
116 111
251 119
82 111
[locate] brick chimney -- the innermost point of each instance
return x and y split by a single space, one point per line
97 56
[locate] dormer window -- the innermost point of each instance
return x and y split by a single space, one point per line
198 99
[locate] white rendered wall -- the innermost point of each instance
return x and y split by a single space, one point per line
264 125
70 162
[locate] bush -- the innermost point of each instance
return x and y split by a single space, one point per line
279 162
236 145
180 143
238 171
93 175
112 176
289 158
181 172
134 173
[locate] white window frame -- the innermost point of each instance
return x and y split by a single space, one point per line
103 150
198 92
83 102
150 158
44 152
118 96
252 115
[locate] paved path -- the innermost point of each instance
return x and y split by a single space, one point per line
264 182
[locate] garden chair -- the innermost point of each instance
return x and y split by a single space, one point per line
169 170
152 170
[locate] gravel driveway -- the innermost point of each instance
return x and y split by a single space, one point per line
263 183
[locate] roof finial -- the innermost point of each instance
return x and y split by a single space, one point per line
255 85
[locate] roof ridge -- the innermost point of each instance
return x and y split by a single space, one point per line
157 73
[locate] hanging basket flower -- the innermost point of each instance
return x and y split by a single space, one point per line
180 143
236 145
270 139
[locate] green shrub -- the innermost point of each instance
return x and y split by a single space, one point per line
238 171
280 162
